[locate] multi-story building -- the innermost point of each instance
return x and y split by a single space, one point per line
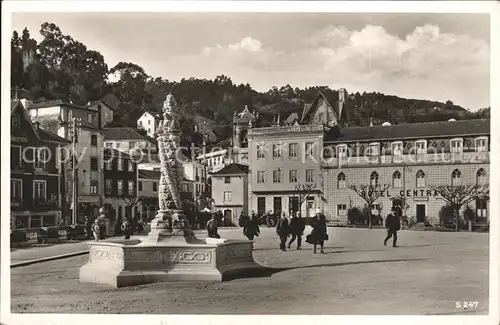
230 191
408 158
321 149
57 117
120 178
128 140
149 121
37 181
215 160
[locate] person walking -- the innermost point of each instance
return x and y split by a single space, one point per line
318 234
212 227
283 230
392 224
126 228
251 228
88 228
297 227
96 228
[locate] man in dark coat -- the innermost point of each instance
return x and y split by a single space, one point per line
283 230
297 227
392 224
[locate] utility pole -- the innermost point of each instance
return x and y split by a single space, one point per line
204 160
74 129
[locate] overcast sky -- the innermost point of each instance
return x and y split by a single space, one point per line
424 56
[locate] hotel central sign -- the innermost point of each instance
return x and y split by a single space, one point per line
408 193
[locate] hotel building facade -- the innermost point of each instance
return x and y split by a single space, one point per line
321 149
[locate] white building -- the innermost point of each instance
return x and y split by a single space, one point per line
149 121
127 140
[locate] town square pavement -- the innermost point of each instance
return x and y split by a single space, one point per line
428 274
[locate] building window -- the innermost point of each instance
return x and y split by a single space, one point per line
456 177
149 122
131 188
139 185
93 140
374 149
227 196
93 163
374 179
420 179
276 151
292 150
15 157
15 121
481 210
481 177
40 191
118 145
70 115
277 176
107 164
227 180
132 144
320 117
481 144
456 145
341 181
260 151
93 187
375 209
309 175
309 149
261 177
155 187
140 123
341 210
41 158
16 190
119 186
421 146
90 118
130 166
109 145
120 164
342 152
109 186
396 179
397 149
261 205
293 175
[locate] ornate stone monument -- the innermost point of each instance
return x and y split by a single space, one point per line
171 251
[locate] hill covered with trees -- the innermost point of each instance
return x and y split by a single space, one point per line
60 67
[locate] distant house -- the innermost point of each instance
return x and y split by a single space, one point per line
149 121
230 191
37 179
128 140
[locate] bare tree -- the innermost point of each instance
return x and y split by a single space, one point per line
131 201
459 195
302 191
369 194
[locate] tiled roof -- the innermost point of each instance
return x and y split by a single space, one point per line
46 135
232 169
334 104
290 119
122 133
149 174
409 131
154 113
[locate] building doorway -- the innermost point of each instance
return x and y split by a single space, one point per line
261 206
277 207
420 212
481 210
293 204
310 207
228 216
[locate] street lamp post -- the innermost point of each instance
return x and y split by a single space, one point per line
74 128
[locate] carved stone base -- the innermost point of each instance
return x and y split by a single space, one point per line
133 263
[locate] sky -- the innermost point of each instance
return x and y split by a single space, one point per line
424 56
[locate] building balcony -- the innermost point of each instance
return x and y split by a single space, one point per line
38 204
437 158
286 129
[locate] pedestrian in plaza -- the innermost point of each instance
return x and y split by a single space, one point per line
392 224
212 227
88 227
269 219
251 228
297 227
283 230
319 233
96 228
126 228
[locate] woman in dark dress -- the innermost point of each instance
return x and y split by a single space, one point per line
251 228
318 234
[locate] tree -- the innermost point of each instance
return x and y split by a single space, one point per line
131 82
369 194
131 202
302 191
457 196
